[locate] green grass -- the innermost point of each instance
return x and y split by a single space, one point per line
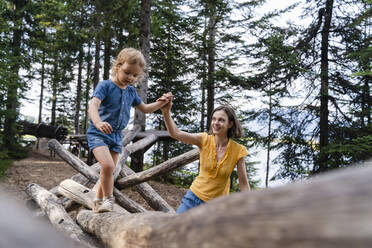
4 165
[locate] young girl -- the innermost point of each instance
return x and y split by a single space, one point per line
218 156
109 111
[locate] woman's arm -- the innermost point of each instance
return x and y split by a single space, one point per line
174 132
242 175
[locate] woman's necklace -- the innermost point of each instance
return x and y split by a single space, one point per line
221 148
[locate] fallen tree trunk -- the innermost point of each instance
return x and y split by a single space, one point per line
131 149
332 210
72 160
163 168
159 133
58 216
149 194
146 191
130 135
118 230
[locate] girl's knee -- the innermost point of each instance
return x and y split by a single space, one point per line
107 168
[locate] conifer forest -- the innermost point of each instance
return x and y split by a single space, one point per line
297 73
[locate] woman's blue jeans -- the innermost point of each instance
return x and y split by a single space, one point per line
190 200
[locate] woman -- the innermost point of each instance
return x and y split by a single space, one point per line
219 154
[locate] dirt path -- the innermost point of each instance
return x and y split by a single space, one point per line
48 172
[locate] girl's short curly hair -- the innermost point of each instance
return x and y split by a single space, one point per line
131 56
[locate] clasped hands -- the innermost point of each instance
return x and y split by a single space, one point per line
166 97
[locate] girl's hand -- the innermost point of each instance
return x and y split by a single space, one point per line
104 127
165 97
167 107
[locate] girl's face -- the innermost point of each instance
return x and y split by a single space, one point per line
127 74
220 123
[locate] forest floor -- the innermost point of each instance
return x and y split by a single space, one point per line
39 167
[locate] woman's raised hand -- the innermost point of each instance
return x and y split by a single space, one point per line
167 107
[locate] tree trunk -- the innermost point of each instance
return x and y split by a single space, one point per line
107 53
204 81
12 99
268 141
42 85
323 139
211 61
87 90
78 93
332 210
144 43
54 93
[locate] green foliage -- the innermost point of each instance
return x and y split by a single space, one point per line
251 173
4 165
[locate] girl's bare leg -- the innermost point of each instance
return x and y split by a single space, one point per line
107 160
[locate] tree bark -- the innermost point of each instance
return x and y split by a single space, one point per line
323 123
42 84
332 210
78 92
12 96
158 170
211 60
87 89
144 43
107 49
54 92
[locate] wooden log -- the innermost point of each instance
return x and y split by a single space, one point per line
72 160
117 230
149 194
145 190
129 136
332 210
79 178
20 229
81 194
93 176
139 135
159 133
131 149
158 170
58 216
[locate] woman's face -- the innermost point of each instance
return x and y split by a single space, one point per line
220 123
